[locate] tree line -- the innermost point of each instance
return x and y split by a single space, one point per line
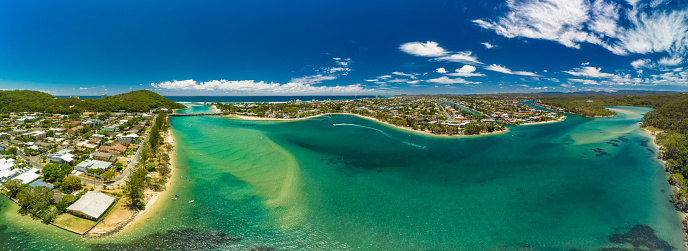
35 101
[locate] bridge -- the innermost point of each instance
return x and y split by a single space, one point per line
196 114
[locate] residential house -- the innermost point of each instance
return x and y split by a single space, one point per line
109 157
92 164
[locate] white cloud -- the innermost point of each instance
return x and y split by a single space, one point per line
640 63
253 87
385 76
441 70
502 69
557 20
617 28
433 50
342 62
83 88
427 49
466 71
584 81
605 17
589 71
673 61
488 45
465 57
446 80
314 79
410 75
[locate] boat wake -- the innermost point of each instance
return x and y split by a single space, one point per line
384 133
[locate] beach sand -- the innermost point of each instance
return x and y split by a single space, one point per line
153 205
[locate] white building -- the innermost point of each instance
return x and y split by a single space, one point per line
92 164
60 158
91 205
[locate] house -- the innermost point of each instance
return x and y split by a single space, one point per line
60 158
124 141
72 123
114 149
65 151
92 123
104 156
91 205
130 136
92 164
73 130
28 175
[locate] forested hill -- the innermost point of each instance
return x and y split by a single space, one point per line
35 101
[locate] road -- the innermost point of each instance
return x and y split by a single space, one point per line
122 178
450 118
32 162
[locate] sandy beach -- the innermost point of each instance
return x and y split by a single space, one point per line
152 200
562 118
153 205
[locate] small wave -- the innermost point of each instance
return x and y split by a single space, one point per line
385 133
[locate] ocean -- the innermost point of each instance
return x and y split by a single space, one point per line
340 182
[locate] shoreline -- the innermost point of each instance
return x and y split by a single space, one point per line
424 132
153 204
683 217
546 122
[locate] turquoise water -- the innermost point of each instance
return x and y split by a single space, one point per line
362 185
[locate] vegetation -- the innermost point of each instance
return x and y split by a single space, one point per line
133 189
54 173
13 187
35 101
70 184
37 201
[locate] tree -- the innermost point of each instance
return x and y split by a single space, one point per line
119 166
70 184
13 187
34 199
146 153
133 189
109 175
164 170
65 202
55 172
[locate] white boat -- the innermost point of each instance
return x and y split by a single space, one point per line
191 201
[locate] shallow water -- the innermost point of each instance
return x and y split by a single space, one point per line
313 185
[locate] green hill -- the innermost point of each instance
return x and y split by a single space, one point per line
35 101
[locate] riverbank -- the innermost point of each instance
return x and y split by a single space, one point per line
422 132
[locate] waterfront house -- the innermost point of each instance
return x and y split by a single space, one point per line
91 205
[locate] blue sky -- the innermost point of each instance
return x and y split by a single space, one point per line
343 47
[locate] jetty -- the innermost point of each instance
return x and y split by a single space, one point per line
196 114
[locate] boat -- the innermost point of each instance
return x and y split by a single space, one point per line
175 198
191 201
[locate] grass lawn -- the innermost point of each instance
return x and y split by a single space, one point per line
74 223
